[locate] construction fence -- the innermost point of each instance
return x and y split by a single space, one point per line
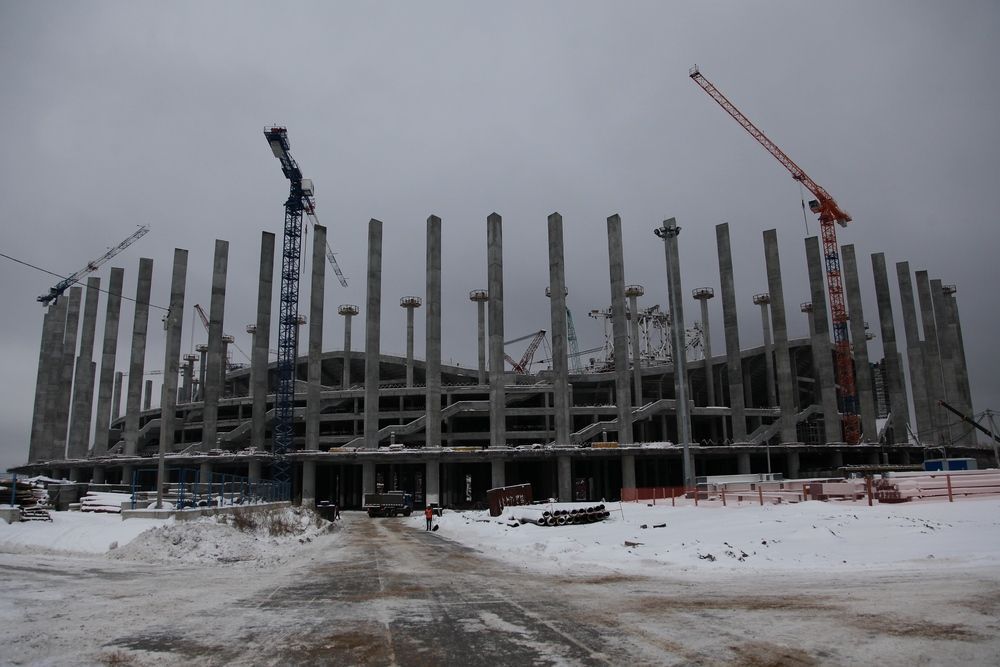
894 488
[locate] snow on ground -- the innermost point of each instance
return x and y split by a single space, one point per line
827 536
81 532
813 535
208 539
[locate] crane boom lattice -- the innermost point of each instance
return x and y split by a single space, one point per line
56 291
830 214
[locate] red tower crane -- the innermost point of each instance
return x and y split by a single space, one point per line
829 212
523 367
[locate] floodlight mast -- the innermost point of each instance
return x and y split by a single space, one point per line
288 314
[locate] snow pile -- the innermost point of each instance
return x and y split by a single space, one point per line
261 538
803 536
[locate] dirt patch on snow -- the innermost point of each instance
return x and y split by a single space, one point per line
750 603
898 626
359 644
764 654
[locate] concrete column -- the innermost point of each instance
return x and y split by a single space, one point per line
628 471
480 297
409 303
137 362
227 340
348 311
187 388
498 397
171 364
859 338
734 362
64 387
633 292
127 471
792 464
116 397
315 377
52 380
51 333
309 475
565 478
703 294
822 360
559 332
961 366
83 387
368 477
668 232
914 354
215 364
254 468
498 473
893 372
933 371
432 331
202 350
372 341
764 301
432 482
786 381
623 398
807 309
97 476
205 474
948 346
147 396
743 463
262 343
837 459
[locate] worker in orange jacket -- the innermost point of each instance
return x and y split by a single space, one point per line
429 515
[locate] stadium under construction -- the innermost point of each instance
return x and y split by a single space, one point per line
654 407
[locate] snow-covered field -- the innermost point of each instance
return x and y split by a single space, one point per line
827 536
842 536
836 583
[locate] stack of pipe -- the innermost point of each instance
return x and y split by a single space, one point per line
560 517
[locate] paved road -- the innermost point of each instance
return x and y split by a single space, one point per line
378 592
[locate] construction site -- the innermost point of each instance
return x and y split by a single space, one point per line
653 406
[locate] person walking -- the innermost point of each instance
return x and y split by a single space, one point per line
429 515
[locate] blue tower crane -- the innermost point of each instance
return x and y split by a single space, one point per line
299 201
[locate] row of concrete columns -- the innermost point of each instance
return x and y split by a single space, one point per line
939 359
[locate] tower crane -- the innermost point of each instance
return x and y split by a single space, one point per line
524 365
299 200
204 322
574 345
60 287
830 214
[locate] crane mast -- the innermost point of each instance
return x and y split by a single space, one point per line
830 214
300 190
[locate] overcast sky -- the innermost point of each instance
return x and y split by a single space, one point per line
117 114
